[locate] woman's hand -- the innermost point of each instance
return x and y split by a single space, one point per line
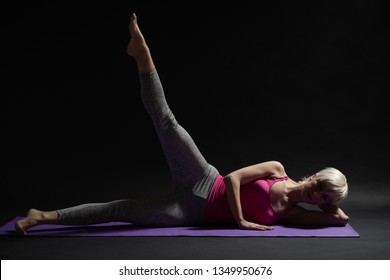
339 214
249 225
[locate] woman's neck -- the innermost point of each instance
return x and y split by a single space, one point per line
294 192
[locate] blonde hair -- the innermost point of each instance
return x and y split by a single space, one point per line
335 181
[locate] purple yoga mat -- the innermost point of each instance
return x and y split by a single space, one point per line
125 229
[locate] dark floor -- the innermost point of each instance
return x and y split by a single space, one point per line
369 217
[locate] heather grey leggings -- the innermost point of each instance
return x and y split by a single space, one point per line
192 176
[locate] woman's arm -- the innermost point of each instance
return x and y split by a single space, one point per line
331 215
334 209
234 180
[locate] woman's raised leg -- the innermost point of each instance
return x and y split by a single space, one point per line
186 162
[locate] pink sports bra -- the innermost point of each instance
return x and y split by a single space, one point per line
255 202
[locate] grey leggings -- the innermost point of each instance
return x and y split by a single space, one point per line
192 176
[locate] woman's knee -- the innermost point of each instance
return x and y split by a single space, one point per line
167 121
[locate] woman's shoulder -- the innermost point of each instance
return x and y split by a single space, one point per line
278 169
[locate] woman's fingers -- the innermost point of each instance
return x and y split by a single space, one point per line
250 225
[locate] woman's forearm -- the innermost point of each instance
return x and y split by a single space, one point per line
334 209
233 196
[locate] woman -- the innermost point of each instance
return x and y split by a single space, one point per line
254 197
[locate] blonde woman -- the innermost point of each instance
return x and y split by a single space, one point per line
254 197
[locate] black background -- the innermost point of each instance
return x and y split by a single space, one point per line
301 82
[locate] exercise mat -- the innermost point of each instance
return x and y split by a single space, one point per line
126 229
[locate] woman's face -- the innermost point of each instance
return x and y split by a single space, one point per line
314 192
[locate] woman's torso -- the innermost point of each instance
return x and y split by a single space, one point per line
262 201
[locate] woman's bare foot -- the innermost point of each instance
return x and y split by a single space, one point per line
137 45
35 217
138 48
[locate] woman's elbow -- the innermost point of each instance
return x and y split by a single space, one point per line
231 180
227 181
342 220
228 178
345 220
